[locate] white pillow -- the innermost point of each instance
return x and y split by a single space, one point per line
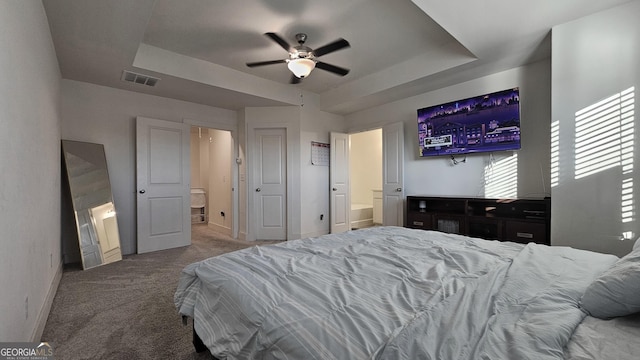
616 292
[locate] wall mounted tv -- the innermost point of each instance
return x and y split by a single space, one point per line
482 123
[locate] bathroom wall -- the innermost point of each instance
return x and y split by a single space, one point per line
220 180
365 165
200 158
211 170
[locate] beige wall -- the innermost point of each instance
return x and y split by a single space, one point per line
365 165
200 162
30 261
220 180
211 170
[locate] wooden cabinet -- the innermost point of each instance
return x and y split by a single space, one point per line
518 220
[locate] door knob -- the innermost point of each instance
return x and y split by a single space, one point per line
143 191
335 189
258 190
399 189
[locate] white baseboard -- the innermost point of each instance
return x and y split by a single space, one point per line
314 234
41 321
357 224
220 229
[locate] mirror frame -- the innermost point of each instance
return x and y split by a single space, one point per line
92 202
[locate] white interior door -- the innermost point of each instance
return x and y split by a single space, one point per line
163 200
90 246
392 177
270 184
339 181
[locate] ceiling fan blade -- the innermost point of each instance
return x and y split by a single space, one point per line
332 68
329 48
295 79
275 37
262 63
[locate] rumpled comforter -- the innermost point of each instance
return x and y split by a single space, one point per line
389 293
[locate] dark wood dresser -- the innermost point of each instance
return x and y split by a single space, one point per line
518 220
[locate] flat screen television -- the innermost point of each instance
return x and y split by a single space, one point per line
482 123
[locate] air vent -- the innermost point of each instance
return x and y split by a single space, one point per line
139 78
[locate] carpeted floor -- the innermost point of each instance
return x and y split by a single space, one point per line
125 310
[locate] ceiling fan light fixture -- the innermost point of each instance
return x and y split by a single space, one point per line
301 67
302 59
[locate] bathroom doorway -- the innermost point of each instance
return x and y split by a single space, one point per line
365 174
212 181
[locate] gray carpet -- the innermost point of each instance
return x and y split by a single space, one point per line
125 310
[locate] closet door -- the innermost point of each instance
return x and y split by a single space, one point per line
270 184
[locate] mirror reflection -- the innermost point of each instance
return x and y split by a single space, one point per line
95 213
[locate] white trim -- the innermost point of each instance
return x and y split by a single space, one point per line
211 124
218 228
41 321
314 234
361 224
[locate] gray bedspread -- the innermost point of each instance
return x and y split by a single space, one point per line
389 293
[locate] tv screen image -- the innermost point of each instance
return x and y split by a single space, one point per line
482 123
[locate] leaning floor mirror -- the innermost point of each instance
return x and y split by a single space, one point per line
95 213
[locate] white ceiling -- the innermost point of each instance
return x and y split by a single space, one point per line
399 48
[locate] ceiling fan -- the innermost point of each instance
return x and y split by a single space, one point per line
303 59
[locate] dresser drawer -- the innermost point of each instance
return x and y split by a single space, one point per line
420 220
525 232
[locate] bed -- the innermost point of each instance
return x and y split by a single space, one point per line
398 293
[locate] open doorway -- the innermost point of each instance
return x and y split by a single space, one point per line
212 179
365 173
391 160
